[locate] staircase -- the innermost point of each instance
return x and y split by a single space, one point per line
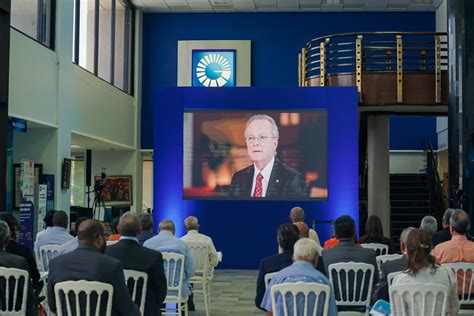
410 202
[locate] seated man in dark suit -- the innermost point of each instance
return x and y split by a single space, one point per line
347 251
133 256
444 234
268 176
8 260
381 290
89 263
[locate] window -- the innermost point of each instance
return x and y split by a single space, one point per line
103 40
35 18
78 182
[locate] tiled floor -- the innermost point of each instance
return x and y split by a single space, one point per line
232 294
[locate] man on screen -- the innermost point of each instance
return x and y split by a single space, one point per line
267 177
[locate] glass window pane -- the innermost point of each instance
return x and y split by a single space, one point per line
77 183
119 45
105 39
24 16
86 34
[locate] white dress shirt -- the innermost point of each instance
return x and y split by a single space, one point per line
194 235
266 172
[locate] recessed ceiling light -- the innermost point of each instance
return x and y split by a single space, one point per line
75 146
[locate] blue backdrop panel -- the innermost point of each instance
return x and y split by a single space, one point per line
245 231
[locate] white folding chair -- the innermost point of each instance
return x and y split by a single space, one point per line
46 253
392 276
135 277
416 299
380 249
13 277
268 277
352 284
200 253
62 291
384 258
466 295
173 264
290 296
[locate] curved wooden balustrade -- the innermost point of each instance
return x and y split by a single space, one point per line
388 68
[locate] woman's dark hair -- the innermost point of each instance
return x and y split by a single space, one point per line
287 236
11 222
373 230
419 248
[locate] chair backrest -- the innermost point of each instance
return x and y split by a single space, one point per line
464 273
352 283
15 292
392 276
173 264
46 253
69 292
200 253
138 280
380 249
384 258
300 298
418 299
268 277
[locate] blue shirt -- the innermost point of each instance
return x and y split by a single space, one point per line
165 241
144 237
52 236
299 271
69 246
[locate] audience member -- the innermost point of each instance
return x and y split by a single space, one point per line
422 268
381 290
114 227
146 221
430 224
135 257
305 257
47 224
287 236
297 215
374 233
14 247
303 229
347 250
9 260
192 227
444 234
72 244
166 241
89 263
56 235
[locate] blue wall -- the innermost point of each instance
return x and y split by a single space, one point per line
412 132
277 38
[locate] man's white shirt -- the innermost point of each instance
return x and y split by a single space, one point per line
266 172
194 235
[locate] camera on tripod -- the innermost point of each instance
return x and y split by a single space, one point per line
99 184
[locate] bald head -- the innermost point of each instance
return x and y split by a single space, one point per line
89 231
297 214
129 225
60 219
191 223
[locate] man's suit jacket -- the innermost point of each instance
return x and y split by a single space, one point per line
8 260
381 293
23 251
441 236
86 263
284 182
136 257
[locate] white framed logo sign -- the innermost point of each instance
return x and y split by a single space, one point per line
213 68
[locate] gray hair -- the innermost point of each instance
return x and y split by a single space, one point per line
459 221
305 249
297 214
274 127
146 221
404 235
168 225
4 233
430 224
447 215
191 223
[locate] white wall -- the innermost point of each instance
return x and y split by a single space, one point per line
406 161
148 184
441 18
442 131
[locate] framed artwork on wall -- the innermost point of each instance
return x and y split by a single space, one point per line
213 68
117 190
66 173
16 182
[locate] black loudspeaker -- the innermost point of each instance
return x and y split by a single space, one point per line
88 167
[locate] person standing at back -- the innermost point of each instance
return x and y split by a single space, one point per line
297 215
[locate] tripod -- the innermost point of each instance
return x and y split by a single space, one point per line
97 204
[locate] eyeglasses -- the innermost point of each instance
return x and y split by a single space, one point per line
260 139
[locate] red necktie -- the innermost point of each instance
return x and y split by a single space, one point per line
258 186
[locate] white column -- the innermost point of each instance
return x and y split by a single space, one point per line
378 159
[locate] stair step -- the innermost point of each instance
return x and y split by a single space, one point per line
405 184
405 189
408 177
409 196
